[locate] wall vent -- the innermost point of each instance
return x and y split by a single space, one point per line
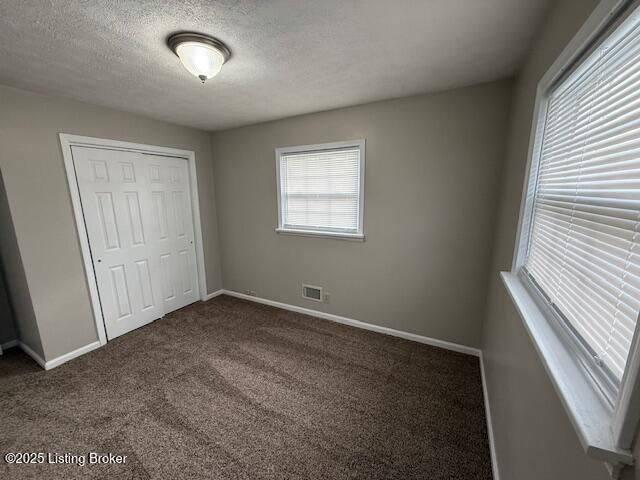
312 293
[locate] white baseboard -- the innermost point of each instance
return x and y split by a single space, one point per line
358 324
58 360
487 409
29 351
213 295
71 355
9 344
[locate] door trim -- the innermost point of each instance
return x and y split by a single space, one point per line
66 142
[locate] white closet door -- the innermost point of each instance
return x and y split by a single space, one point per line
117 212
168 182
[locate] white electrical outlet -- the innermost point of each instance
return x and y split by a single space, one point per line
326 297
251 292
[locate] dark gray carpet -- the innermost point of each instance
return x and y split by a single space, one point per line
230 389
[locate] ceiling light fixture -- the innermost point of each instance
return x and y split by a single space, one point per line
200 54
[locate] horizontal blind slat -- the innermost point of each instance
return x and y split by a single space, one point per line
609 291
620 50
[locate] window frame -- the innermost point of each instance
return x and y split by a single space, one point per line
605 420
322 233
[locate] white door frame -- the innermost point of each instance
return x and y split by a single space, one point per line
66 142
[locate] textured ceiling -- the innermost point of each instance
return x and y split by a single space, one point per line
289 56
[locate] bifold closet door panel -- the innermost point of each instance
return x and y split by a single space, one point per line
168 184
118 214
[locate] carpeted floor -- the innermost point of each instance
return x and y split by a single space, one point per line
230 389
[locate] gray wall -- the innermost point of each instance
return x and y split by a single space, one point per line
11 266
38 197
432 170
534 438
7 326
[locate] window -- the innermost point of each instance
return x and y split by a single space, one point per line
576 275
583 249
320 189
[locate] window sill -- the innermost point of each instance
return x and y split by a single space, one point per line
356 237
590 415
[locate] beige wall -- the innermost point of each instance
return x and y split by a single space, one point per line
534 438
432 168
38 196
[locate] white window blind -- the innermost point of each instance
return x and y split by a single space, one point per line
583 243
320 190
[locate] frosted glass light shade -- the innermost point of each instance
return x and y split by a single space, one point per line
202 55
201 60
